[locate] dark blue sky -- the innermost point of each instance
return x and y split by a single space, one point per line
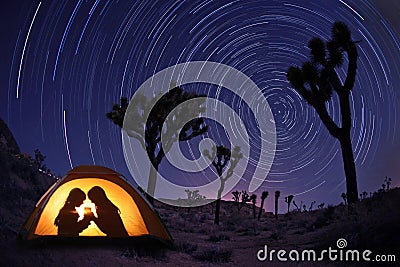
65 62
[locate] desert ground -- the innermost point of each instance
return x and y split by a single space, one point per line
372 223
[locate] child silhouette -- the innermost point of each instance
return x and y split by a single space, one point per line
108 215
67 218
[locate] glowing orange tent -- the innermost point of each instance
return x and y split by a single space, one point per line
92 201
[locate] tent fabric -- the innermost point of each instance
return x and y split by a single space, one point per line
108 205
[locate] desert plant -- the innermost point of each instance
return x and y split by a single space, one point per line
388 182
321 206
324 218
39 159
253 199
236 197
218 237
193 196
215 255
288 200
264 195
154 121
277 195
220 157
363 195
185 247
311 206
344 196
297 207
316 80
245 198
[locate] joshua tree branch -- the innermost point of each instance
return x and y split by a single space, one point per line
352 68
333 129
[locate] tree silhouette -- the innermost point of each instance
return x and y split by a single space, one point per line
194 197
117 113
288 200
154 124
297 207
39 159
344 196
277 195
220 157
388 182
253 199
236 197
264 195
316 80
311 205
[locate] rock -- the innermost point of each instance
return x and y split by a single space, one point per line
7 141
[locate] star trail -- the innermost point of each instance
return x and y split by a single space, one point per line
66 62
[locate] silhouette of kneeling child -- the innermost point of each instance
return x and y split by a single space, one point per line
108 215
109 220
67 219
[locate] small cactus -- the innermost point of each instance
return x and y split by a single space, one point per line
364 195
311 206
344 196
264 195
236 197
277 195
253 199
388 182
297 207
288 200
240 198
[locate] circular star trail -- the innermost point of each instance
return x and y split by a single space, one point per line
69 61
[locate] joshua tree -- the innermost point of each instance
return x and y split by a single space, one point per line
311 206
297 207
39 159
321 206
304 207
194 196
316 80
344 196
264 195
253 199
277 195
220 157
288 200
236 197
364 195
154 124
245 198
240 202
388 182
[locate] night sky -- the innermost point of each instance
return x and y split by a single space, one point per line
64 63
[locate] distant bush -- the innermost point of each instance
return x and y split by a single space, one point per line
185 247
137 253
324 218
218 237
215 255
